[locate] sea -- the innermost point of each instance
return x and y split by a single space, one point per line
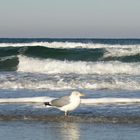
104 69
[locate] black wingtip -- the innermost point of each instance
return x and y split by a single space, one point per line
47 103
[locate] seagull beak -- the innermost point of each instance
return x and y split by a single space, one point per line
82 94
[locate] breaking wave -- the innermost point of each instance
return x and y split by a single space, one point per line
27 64
67 51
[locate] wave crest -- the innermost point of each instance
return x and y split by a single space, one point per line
102 51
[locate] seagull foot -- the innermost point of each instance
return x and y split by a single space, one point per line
66 113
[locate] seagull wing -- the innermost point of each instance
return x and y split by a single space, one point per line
61 101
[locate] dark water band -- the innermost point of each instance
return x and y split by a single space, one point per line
75 119
9 55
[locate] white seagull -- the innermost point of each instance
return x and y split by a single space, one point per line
66 103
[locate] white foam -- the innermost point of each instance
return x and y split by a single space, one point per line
26 100
65 83
56 45
99 101
53 44
69 45
89 101
49 66
118 52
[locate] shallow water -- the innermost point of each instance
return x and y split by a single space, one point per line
125 110
42 130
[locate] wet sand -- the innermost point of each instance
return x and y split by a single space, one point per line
44 130
73 119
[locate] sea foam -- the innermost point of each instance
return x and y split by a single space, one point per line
88 101
50 66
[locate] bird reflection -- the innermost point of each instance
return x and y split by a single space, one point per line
64 131
70 131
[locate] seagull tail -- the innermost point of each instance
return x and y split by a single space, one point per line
47 104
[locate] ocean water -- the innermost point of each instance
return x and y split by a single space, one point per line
106 70
61 64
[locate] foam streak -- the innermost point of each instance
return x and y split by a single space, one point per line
90 101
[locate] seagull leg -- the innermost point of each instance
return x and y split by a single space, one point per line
66 113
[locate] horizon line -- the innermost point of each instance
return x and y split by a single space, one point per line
69 38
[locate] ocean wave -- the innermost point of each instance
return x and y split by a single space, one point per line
34 65
51 66
63 54
62 45
74 51
9 63
68 45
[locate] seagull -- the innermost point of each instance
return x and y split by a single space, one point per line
66 103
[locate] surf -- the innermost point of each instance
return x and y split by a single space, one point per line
50 66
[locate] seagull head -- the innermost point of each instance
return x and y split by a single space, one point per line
77 94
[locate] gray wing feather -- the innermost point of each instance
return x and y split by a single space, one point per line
61 102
